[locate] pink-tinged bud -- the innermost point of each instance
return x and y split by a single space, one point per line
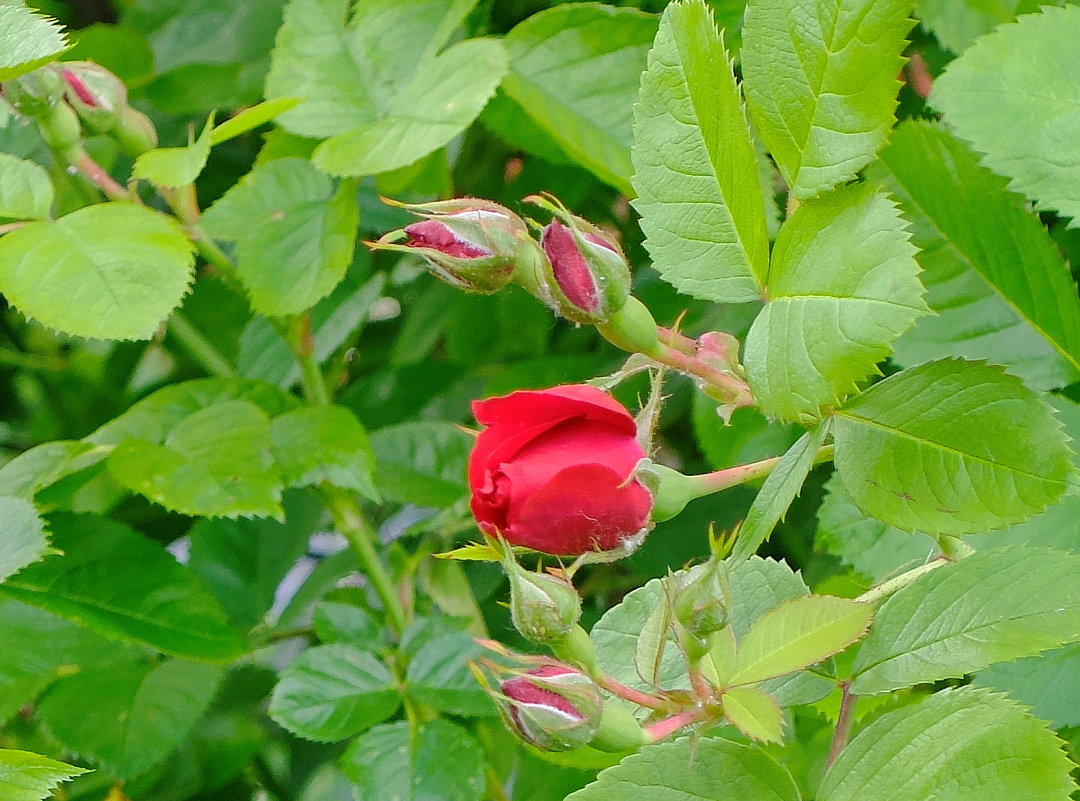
471 243
553 707
95 93
586 278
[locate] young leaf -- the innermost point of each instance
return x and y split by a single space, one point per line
709 769
439 760
27 40
337 622
958 25
965 616
250 118
131 715
110 271
779 490
294 233
946 448
843 285
1047 683
695 170
798 633
575 70
23 541
175 166
996 279
1013 96
956 745
754 712
313 444
831 110
26 193
332 692
442 99
120 584
215 462
31 777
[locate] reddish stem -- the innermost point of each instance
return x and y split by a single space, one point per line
92 171
668 726
843 723
630 694
718 385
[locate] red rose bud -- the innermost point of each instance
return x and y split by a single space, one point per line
470 243
543 608
554 471
95 93
586 279
553 707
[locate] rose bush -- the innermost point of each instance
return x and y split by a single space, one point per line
553 471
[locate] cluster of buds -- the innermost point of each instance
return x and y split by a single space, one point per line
74 99
575 268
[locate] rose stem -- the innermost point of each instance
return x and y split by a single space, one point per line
709 483
953 549
658 731
93 172
629 693
843 723
719 385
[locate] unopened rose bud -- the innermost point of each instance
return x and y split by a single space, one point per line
543 608
36 93
470 243
701 602
95 93
553 707
587 278
135 134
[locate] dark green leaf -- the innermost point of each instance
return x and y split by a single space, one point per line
313 444
422 463
439 676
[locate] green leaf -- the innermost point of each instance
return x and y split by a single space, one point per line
215 462
780 488
31 777
175 166
242 562
110 271
294 233
995 277
1013 96
26 193
39 467
49 648
313 444
696 174
442 99
843 285
833 108
439 676
120 584
153 417
351 75
250 118
1046 683
575 69
129 716
332 692
755 713
23 540
874 549
757 585
27 41
709 769
337 622
965 616
440 760
946 448
954 746
798 633
422 462
958 25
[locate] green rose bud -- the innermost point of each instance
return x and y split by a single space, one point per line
543 608
95 94
701 602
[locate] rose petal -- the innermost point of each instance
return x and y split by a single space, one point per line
496 445
526 408
583 508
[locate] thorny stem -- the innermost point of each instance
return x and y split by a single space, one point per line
658 731
351 523
718 384
619 689
843 723
93 172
